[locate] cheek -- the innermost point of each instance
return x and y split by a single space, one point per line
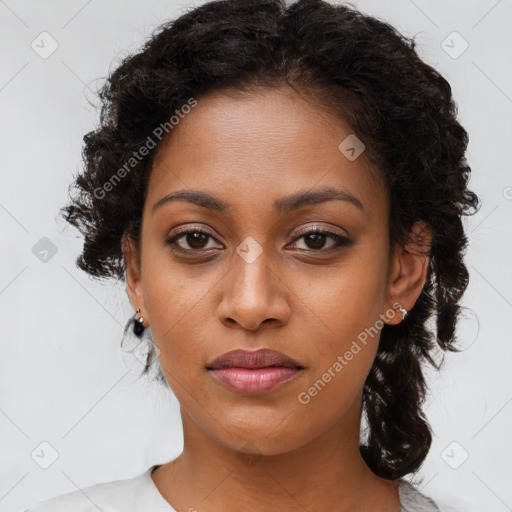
172 305
181 314
341 304
341 318
333 390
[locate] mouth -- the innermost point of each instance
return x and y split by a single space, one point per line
256 359
254 372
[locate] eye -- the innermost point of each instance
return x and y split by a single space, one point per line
316 238
195 239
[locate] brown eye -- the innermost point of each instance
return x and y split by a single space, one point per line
190 241
196 240
315 240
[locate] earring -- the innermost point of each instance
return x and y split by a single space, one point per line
403 311
138 324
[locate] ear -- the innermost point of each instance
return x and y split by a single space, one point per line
133 274
408 273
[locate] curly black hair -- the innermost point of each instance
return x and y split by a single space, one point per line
355 65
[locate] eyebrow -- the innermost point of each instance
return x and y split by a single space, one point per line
282 206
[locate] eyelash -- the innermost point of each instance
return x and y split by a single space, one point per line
340 241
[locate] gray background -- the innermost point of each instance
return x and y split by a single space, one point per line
63 377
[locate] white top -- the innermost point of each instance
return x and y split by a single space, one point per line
140 494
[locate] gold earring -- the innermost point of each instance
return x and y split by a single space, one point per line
138 324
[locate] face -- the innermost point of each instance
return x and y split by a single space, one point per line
244 269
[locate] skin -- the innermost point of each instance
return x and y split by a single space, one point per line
300 296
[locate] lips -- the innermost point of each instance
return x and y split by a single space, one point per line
263 358
254 373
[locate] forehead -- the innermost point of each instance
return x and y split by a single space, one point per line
262 144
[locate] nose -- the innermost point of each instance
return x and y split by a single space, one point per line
253 294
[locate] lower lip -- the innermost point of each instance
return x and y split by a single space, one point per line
256 381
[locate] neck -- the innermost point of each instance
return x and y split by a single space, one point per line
326 473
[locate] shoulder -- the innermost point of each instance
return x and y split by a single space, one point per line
412 500
113 496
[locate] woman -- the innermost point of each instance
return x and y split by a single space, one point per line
282 188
